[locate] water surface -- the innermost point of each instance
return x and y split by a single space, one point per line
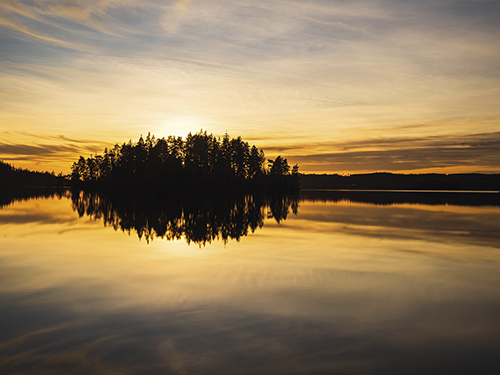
327 283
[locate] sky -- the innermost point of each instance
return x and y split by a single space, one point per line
336 86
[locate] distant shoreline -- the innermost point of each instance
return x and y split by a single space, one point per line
11 177
383 181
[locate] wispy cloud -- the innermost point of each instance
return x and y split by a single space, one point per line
35 150
173 17
30 32
69 24
407 154
45 151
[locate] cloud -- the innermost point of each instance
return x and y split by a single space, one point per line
56 154
34 150
59 138
19 27
174 15
401 142
68 24
406 154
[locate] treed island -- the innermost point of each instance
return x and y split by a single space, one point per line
199 163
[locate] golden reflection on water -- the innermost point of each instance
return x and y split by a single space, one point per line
347 286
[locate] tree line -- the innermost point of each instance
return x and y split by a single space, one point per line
396 181
11 176
201 161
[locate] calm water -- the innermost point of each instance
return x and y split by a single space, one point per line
331 283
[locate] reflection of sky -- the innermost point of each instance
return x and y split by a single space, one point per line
308 296
337 86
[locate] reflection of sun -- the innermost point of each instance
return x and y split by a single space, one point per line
180 248
181 125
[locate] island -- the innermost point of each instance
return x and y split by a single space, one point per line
199 163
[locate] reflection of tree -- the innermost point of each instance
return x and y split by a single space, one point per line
391 197
198 219
9 195
280 206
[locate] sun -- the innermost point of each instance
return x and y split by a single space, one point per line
181 125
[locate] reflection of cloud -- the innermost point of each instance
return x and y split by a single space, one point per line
337 324
33 218
444 224
79 353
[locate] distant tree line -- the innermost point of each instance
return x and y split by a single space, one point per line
393 181
200 161
13 177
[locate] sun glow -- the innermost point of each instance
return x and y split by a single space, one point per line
181 125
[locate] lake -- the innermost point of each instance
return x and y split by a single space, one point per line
319 283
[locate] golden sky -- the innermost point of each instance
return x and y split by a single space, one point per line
336 86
